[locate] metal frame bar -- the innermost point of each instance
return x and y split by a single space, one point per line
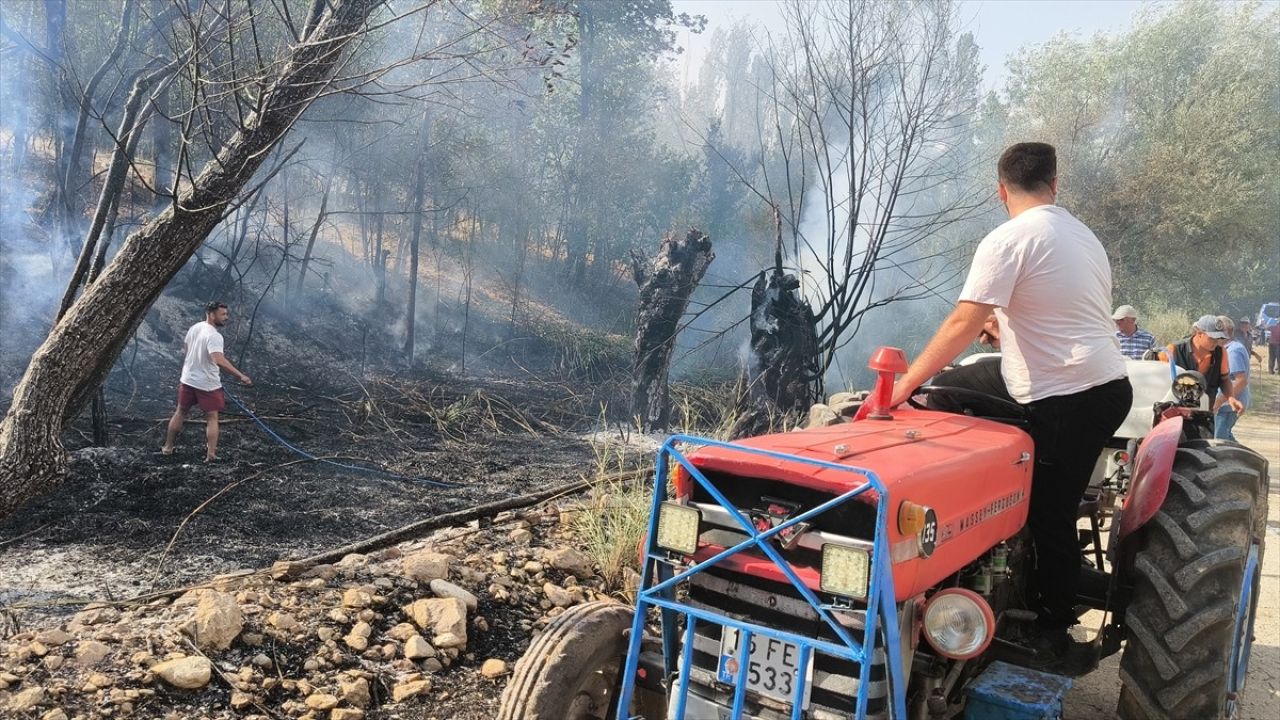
659 592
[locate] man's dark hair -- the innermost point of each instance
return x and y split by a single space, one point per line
214 307
1029 165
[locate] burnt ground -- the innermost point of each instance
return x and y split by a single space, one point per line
103 534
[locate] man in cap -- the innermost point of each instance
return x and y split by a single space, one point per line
1134 341
1244 335
1203 351
1225 415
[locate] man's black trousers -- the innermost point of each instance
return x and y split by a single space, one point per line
1069 432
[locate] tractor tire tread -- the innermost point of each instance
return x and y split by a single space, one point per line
1198 520
1174 606
1188 487
1187 574
528 695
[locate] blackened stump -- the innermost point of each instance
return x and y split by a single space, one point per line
783 375
665 286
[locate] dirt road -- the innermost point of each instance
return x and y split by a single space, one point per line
1095 696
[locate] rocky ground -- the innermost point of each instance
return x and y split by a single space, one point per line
426 629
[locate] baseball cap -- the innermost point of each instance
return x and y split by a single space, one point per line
1244 321
1208 324
1124 311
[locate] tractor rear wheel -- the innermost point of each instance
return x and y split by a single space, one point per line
1197 576
570 671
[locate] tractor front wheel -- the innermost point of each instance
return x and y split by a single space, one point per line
1197 575
570 671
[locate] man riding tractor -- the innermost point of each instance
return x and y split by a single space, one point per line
915 560
883 568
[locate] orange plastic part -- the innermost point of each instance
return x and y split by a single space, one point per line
888 362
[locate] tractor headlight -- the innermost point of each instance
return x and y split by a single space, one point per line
845 570
678 528
958 623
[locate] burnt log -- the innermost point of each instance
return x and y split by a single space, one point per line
665 284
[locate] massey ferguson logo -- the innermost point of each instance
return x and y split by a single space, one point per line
774 513
990 510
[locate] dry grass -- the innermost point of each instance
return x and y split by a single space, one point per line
398 408
714 411
583 351
610 521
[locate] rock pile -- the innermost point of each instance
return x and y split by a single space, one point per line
438 622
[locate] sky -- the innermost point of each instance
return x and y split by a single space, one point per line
999 26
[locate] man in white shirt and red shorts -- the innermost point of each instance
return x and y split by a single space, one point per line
1047 279
201 383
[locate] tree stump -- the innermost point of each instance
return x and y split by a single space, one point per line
665 284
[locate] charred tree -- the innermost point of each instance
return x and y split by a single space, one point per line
82 346
311 239
784 367
784 374
411 317
665 284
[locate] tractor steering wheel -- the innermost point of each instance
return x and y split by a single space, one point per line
1010 412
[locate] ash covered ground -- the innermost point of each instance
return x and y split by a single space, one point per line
104 532
130 521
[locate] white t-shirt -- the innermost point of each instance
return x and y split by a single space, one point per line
198 369
1050 281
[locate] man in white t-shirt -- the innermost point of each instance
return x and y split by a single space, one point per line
201 383
1047 279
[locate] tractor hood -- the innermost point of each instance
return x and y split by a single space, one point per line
974 474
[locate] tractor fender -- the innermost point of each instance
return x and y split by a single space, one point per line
1153 467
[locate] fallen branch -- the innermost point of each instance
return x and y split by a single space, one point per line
288 569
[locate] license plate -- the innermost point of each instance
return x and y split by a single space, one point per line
771 669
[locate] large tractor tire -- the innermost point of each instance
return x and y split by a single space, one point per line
570 671
1197 576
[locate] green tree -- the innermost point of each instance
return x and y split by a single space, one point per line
1168 140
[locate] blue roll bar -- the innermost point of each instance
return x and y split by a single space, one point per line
659 592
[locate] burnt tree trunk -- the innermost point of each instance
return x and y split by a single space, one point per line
784 345
665 286
82 346
783 373
411 318
74 171
311 240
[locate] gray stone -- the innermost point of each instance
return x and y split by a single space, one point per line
426 566
218 620
446 589
821 415
27 700
571 560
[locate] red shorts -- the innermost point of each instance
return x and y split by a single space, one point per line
208 400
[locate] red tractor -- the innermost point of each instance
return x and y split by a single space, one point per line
878 568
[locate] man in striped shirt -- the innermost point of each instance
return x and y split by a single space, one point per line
1133 341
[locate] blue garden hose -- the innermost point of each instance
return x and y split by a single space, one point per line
299 451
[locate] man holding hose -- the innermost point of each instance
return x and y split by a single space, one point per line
201 383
